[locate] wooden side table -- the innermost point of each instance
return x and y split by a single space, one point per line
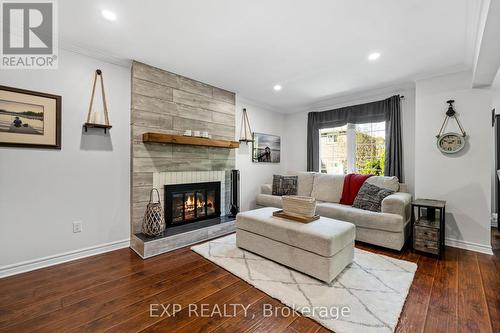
428 229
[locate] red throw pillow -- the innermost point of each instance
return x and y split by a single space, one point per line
352 184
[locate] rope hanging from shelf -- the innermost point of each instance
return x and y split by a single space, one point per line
91 122
245 129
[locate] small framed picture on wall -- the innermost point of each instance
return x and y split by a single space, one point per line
266 148
29 119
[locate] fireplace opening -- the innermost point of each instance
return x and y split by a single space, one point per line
187 203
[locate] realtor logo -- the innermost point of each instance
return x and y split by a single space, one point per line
28 30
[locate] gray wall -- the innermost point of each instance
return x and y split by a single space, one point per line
262 119
165 102
42 191
462 179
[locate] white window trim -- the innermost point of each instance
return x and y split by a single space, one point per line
351 148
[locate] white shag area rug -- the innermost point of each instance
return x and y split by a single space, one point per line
374 287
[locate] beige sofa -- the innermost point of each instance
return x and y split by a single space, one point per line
389 228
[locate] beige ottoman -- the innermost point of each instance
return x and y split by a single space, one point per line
321 249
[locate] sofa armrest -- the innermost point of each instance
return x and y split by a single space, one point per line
398 203
266 189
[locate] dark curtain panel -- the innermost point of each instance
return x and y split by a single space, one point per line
497 159
387 110
393 142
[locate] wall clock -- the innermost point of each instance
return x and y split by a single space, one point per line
451 142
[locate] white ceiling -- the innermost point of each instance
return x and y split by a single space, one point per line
315 49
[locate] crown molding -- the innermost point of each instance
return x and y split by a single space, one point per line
95 53
245 100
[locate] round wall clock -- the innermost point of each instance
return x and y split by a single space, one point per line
451 142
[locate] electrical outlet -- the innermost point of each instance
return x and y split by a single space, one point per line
77 226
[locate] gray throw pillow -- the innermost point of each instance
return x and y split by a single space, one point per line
284 185
370 197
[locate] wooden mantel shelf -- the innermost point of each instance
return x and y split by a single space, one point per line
187 140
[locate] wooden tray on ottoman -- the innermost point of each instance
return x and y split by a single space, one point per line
298 218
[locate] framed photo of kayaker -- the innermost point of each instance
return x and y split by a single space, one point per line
29 119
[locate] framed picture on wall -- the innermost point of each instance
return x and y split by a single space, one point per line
266 148
29 119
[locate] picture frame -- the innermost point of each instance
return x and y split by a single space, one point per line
266 148
29 119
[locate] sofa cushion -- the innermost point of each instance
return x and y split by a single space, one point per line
403 188
284 185
328 187
304 183
390 183
370 197
325 236
268 200
360 217
266 189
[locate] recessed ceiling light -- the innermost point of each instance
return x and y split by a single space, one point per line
108 15
277 87
374 56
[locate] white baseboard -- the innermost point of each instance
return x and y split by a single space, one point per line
461 244
31 265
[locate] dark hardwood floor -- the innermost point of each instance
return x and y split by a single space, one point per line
113 292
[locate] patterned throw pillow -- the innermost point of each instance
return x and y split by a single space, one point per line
284 185
370 197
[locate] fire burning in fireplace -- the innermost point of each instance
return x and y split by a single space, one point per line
187 203
200 208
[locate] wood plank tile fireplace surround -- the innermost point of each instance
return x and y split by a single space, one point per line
167 103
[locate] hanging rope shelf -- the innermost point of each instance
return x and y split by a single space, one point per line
245 130
93 118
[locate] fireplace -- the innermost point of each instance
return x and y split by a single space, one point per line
187 203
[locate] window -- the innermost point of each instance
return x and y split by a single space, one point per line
358 148
333 152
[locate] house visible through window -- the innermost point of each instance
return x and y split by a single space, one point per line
353 148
